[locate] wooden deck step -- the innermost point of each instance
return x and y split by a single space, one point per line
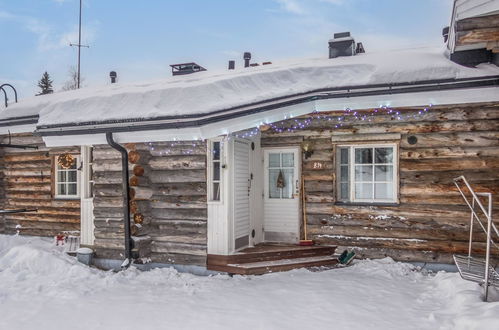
271 252
272 266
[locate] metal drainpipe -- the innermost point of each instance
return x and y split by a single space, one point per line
126 197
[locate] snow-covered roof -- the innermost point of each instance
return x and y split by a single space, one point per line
207 92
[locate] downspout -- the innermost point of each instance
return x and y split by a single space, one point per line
126 198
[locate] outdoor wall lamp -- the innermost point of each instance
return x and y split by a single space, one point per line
308 148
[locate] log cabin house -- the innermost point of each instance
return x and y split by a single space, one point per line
205 169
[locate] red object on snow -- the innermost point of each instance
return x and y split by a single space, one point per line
60 239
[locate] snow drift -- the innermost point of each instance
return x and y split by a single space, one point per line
41 288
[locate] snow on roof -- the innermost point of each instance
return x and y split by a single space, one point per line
205 92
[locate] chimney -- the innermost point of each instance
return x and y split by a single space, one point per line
232 65
113 76
341 45
247 59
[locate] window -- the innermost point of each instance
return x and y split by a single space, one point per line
67 180
214 170
281 169
367 174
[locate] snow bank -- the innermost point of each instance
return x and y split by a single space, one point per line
41 288
208 91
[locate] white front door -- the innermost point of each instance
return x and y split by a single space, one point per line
241 187
282 195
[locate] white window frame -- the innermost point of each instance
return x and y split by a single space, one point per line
78 179
209 168
351 173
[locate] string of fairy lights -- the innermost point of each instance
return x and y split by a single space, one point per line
290 124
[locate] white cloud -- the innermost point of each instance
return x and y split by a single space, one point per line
47 37
292 6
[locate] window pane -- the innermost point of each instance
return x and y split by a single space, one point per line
364 190
61 189
383 191
288 160
216 191
344 188
287 191
216 150
383 173
384 155
71 176
364 156
344 155
61 176
72 189
216 171
363 173
274 160
344 173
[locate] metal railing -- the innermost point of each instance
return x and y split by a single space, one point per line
487 212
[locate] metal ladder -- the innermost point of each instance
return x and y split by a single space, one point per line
471 268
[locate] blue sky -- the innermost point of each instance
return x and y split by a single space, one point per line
139 39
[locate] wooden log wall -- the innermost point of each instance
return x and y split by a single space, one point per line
431 222
168 186
26 182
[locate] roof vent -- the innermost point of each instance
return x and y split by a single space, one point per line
344 45
247 59
186 68
113 75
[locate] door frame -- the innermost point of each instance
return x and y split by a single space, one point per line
298 169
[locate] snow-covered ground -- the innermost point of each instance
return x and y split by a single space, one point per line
41 288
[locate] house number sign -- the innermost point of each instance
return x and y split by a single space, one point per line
318 166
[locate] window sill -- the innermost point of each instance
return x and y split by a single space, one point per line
367 204
67 197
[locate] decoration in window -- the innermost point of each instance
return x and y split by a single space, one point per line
281 174
66 160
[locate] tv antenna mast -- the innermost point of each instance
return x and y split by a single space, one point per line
79 45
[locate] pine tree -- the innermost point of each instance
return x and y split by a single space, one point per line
45 84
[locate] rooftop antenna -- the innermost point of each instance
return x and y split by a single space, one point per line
79 45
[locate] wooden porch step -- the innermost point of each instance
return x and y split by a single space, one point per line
271 252
273 266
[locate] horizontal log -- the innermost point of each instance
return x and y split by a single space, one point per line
26 157
185 239
443 164
136 181
473 176
108 190
404 233
30 165
439 188
468 139
173 176
450 152
174 247
141 193
180 189
139 156
398 243
194 162
105 154
180 214
107 178
182 259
